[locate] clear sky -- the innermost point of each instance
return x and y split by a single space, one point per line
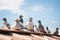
48 11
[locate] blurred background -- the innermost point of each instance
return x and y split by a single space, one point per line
48 11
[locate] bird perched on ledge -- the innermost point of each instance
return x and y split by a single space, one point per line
47 30
18 24
30 25
40 27
56 32
5 24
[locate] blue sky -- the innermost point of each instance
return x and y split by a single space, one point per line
48 11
